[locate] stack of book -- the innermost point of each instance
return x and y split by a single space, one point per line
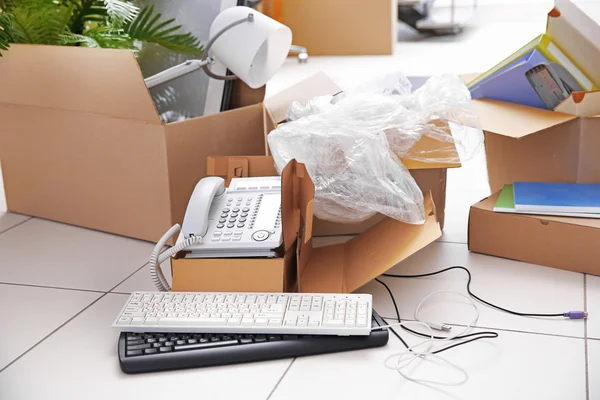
543 198
538 75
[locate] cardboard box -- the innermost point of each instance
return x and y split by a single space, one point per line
343 27
339 268
530 144
81 141
558 242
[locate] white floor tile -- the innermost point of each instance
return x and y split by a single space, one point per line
456 220
28 314
141 281
594 368
80 361
8 220
593 306
512 366
509 284
45 253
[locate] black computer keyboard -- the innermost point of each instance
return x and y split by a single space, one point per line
148 352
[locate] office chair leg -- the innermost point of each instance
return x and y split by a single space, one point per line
301 51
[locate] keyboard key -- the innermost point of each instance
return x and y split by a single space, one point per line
207 344
245 340
290 322
165 349
275 322
124 320
139 346
133 337
135 342
302 322
247 322
169 343
334 323
260 338
155 345
181 342
150 351
233 321
361 321
134 353
261 322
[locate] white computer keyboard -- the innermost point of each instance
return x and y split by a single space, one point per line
277 313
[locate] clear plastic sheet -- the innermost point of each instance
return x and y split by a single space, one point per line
352 144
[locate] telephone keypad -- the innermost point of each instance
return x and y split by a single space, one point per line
220 226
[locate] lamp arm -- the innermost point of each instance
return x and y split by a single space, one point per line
205 57
175 72
193 65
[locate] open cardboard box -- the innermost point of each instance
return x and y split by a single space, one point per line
340 268
559 242
81 141
531 144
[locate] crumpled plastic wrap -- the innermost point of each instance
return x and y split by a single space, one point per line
352 144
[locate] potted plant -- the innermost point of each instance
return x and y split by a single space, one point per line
116 24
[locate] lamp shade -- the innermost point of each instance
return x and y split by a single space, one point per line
253 51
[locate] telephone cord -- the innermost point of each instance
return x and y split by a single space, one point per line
156 257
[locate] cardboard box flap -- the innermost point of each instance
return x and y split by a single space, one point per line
240 167
577 35
318 84
514 120
581 104
488 203
297 203
346 267
99 81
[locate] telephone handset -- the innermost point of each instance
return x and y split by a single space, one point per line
243 220
196 215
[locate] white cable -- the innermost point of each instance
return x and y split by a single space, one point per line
412 354
156 257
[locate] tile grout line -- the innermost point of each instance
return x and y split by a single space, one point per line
14 226
52 287
502 329
53 332
281 379
585 334
127 277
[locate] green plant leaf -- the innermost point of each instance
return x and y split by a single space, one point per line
70 38
111 38
149 27
39 21
5 32
120 11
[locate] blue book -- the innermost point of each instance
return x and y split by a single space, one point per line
557 197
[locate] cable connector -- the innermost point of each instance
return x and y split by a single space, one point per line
439 327
576 314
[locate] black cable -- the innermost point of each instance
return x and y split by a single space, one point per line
474 336
472 294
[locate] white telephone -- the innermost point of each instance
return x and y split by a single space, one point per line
241 221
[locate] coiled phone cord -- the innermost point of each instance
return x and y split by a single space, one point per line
156 258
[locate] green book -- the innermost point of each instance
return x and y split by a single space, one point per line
506 200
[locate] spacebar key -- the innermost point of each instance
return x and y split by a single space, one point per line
206 345
192 321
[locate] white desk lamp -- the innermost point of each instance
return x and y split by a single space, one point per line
250 44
